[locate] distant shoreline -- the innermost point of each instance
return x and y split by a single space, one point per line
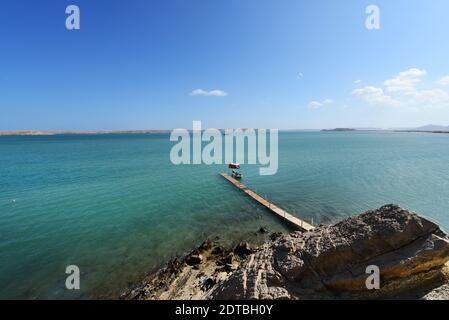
93 132
106 132
419 131
165 131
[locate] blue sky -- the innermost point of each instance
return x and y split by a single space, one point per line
272 63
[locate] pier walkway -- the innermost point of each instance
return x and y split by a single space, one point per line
284 215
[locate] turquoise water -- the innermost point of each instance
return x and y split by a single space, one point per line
115 205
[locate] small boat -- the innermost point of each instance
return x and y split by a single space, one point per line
236 175
233 165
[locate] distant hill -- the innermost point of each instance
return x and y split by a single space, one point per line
368 129
432 127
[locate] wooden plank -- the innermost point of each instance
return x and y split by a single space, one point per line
284 215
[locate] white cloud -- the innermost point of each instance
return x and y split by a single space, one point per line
405 81
444 81
432 97
319 104
374 96
211 93
358 81
315 104
402 91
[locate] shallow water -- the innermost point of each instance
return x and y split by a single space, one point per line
115 205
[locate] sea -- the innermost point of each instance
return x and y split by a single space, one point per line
116 207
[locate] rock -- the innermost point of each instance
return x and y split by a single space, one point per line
332 260
275 235
221 276
229 259
440 293
206 245
207 283
193 259
262 230
243 249
133 294
217 250
173 266
229 267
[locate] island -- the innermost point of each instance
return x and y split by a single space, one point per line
338 130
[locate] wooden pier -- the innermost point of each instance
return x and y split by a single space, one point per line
284 215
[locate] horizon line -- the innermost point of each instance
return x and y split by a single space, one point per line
156 131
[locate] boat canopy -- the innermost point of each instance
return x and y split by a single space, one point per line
234 166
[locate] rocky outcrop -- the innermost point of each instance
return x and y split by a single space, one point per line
193 276
331 261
